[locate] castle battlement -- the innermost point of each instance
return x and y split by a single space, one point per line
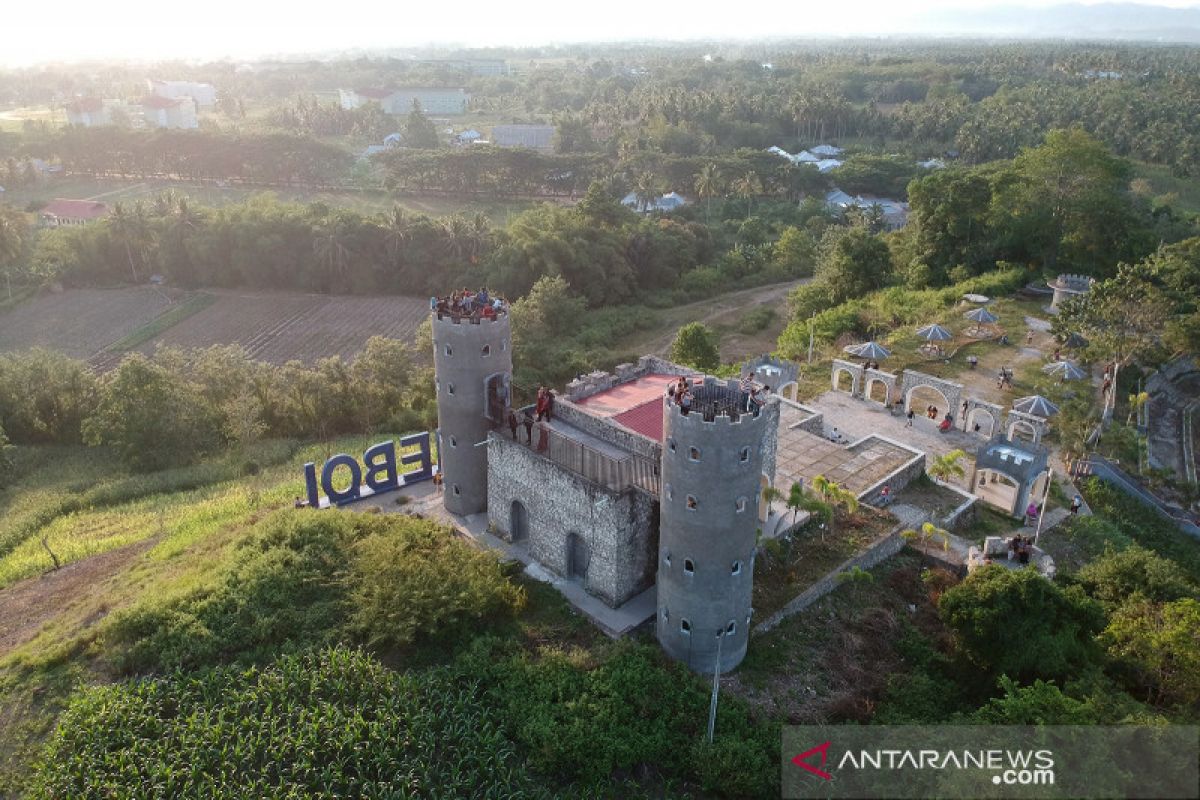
717 402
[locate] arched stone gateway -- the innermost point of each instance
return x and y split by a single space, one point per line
950 391
881 386
854 371
790 390
1030 427
984 414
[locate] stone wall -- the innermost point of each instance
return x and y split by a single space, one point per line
882 549
607 430
950 390
619 530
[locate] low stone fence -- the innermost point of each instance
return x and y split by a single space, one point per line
882 549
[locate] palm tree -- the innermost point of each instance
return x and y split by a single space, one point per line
132 228
746 187
646 191
12 242
397 228
708 186
835 495
769 495
330 246
928 533
943 468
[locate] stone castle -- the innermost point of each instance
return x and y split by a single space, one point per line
620 490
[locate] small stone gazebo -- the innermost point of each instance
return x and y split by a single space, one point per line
1008 473
1066 286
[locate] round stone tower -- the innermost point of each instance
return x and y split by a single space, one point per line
472 359
708 523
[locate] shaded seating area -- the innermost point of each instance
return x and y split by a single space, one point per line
1009 473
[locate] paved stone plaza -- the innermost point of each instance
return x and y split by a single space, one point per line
803 456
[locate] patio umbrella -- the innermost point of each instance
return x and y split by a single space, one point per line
1035 404
981 316
934 333
1064 369
872 350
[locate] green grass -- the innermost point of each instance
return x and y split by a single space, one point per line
169 318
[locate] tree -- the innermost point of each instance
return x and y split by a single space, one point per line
1039 703
708 185
746 187
834 495
696 346
131 227
6 462
151 417
926 535
646 191
13 233
419 131
795 252
769 495
1161 642
1017 623
943 468
950 218
1119 576
853 263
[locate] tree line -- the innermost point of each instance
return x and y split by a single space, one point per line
178 406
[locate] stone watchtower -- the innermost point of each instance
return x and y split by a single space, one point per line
708 521
472 359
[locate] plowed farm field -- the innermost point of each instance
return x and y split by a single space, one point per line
271 326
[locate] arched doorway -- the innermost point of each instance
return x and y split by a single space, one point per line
846 385
919 398
578 556
789 390
984 419
877 390
496 396
518 521
997 490
1022 430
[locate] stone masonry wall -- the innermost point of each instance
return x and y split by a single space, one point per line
883 549
620 528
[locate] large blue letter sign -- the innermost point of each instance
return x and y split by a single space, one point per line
381 473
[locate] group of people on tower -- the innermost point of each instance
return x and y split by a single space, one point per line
465 303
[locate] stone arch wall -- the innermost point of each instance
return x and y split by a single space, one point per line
976 407
949 389
1017 419
772 371
856 375
888 379
790 390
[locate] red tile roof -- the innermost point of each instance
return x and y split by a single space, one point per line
646 419
75 209
624 396
83 105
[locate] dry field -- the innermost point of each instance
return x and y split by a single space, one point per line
272 326
79 322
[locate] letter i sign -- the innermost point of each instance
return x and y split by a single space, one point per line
801 761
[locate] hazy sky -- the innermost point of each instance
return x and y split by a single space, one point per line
140 29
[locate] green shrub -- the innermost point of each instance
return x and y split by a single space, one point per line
634 711
1120 576
331 723
416 579
1144 525
756 320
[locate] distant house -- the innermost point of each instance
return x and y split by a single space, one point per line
534 137
161 112
88 112
400 101
668 202
803 157
393 140
932 163
469 136
205 94
72 212
894 212
827 151
827 164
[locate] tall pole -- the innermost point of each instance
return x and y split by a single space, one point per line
810 336
1042 515
712 706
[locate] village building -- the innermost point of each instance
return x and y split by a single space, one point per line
202 94
71 212
533 137
400 101
88 112
162 112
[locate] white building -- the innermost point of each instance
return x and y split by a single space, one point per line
827 151
894 212
668 202
534 137
161 112
204 94
400 101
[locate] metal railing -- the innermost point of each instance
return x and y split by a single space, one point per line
613 473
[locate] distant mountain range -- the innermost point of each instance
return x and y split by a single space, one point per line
1127 21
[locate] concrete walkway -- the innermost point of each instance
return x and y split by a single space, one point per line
426 500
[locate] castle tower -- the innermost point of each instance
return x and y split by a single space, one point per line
472 359
708 522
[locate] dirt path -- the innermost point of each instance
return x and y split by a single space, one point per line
26 607
712 311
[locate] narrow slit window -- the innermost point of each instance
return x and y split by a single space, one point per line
450 388
448 350
487 350
689 568
453 441
691 501
731 628
685 627
694 453
745 454
736 569
457 491
741 504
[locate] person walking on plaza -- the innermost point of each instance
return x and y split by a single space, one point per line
528 422
910 418
512 422
1076 502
